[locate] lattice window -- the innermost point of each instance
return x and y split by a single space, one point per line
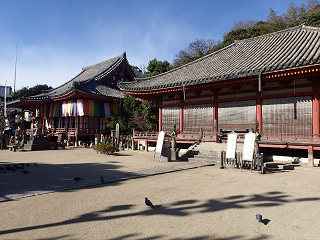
84 121
76 122
237 116
198 116
291 115
102 124
170 116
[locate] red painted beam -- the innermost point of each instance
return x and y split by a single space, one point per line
259 113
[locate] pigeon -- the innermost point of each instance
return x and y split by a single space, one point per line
16 166
259 217
25 172
101 179
77 179
27 164
148 203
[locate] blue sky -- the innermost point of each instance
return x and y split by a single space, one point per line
56 38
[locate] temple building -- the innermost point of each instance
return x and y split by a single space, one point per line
270 82
79 107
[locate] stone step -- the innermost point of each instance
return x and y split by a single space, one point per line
207 151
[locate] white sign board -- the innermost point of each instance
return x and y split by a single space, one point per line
231 145
248 146
160 142
117 132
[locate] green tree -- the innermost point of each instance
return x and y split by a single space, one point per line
310 18
243 24
138 73
312 4
141 115
26 91
292 14
156 67
150 112
196 49
123 123
131 104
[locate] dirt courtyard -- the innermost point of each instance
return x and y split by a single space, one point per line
195 204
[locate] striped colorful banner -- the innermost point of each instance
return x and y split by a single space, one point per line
86 107
91 108
74 108
54 109
96 109
80 107
115 109
107 113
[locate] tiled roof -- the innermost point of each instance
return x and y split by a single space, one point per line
290 48
87 81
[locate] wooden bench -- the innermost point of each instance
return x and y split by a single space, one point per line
14 147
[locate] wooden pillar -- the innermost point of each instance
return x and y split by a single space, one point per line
160 119
146 145
215 117
22 122
259 113
181 119
315 109
310 156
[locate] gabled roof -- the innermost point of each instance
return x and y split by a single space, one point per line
294 47
88 81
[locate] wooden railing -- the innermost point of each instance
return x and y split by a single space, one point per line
137 134
292 137
72 131
183 135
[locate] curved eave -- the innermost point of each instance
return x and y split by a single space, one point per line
293 73
27 103
78 94
75 94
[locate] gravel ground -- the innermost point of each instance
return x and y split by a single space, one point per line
200 203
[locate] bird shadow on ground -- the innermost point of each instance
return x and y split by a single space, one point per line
265 221
179 208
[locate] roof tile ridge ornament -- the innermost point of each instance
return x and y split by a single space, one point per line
302 26
121 56
310 27
114 65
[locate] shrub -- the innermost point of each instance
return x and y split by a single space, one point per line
105 148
